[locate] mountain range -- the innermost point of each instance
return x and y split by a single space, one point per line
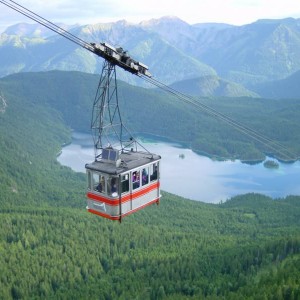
207 59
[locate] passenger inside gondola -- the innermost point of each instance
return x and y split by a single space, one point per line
113 185
125 183
135 179
100 187
145 177
154 174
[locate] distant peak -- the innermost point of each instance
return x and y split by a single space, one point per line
33 30
162 20
277 21
123 23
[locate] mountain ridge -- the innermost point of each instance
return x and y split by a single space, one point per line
258 52
212 86
280 89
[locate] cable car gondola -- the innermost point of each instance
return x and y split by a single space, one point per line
122 183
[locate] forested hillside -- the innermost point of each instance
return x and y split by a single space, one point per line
206 86
32 133
51 248
287 88
248 248
151 111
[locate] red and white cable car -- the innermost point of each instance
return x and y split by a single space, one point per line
123 178
121 184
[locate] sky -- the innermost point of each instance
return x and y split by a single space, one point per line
235 12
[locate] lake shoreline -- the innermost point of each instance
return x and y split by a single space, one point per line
144 136
200 178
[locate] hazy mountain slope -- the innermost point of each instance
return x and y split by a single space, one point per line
188 38
285 88
191 39
174 50
33 54
34 30
263 50
164 59
209 86
260 51
19 54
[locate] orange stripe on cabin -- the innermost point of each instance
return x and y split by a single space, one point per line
103 215
114 218
140 192
125 198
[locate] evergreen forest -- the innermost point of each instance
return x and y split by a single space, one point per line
247 247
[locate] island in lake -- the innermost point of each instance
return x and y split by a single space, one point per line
271 164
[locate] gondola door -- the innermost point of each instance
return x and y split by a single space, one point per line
135 191
131 189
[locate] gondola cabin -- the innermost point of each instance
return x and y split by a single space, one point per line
122 183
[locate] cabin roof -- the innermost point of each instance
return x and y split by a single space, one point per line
129 160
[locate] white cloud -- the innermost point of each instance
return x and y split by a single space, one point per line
192 11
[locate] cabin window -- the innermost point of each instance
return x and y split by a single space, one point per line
125 183
98 183
135 179
112 186
89 174
145 176
154 172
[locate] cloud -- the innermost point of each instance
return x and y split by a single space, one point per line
192 11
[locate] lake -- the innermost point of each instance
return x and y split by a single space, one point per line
196 177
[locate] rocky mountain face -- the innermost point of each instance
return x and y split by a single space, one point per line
174 50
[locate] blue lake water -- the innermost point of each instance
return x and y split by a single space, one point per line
198 177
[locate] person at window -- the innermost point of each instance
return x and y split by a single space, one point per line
144 177
154 174
113 185
135 179
99 187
